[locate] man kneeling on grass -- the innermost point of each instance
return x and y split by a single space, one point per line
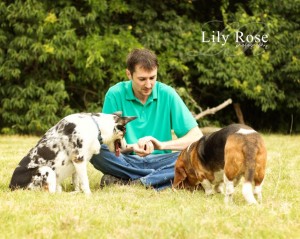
148 159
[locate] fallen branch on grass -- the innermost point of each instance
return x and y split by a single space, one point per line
213 110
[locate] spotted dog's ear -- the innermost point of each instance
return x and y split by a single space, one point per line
126 119
118 113
122 120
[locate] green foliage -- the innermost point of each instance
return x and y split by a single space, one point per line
61 57
56 60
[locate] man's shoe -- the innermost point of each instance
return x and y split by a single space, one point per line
108 180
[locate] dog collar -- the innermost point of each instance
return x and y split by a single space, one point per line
99 131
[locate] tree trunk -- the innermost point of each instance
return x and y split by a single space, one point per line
239 113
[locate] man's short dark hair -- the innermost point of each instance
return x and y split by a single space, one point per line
143 57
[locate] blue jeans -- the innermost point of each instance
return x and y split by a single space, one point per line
154 170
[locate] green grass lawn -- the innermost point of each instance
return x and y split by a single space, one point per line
134 212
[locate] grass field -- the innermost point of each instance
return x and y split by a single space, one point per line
134 212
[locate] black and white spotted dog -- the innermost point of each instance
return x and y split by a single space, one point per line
66 148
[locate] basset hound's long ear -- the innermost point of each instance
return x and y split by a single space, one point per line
180 173
180 176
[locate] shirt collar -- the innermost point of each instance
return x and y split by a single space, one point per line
130 95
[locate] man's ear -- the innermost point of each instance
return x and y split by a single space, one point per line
128 74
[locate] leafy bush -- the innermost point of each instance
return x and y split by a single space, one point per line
61 57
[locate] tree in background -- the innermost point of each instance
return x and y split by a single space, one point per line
57 58
61 57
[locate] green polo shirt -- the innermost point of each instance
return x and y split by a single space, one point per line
163 111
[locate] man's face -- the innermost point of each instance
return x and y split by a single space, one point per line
143 82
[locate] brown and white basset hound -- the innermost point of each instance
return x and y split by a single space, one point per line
223 157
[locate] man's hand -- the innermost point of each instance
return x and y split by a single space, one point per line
156 143
145 146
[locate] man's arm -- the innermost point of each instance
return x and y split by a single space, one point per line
181 143
177 144
146 145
